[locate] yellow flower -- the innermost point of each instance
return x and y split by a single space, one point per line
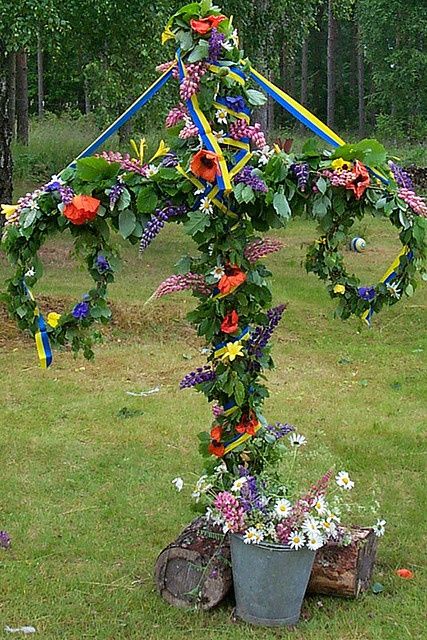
167 34
339 288
340 164
53 318
139 152
161 151
233 349
8 210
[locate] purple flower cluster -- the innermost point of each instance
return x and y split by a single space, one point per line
366 293
5 540
176 115
262 334
102 264
250 498
402 178
248 177
260 247
215 45
279 430
53 185
125 161
236 103
301 171
67 195
239 129
182 282
201 374
157 222
231 511
81 310
115 193
170 160
217 410
417 203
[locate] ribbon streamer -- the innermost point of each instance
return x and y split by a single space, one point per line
41 337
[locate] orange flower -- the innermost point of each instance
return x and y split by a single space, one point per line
407 574
204 25
233 278
216 449
248 424
216 433
361 180
230 324
205 165
82 209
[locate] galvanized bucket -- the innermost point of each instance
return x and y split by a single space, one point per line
270 581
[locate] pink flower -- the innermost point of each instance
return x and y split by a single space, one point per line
175 283
260 247
417 204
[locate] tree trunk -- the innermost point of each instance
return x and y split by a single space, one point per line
304 73
331 68
40 78
22 97
87 105
361 83
195 569
11 90
5 134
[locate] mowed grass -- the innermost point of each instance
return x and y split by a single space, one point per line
87 495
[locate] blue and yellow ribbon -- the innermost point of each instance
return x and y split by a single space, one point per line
240 439
41 337
221 348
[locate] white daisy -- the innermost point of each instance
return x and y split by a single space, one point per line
297 440
205 206
221 116
333 516
198 192
393 289
253 536
238 484
219 135
221 469
30 273
379 528
218 272
178 483
343 480
283 508
151 170
264 155
320 505
296 540
314 542
329 527
311 526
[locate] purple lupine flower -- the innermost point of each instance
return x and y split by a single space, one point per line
417 203
279 430
201 374
115 193
67 195
176 115
230 510
366 293
239 129
126 162
102 264
236 103
402 178
170 160
81 310
5 540
191 82
217 410
248 177
257 136
157 222
182 282
250 497
260 247
215 45
262 334
301 171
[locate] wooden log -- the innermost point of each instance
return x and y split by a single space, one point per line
195 569
345 571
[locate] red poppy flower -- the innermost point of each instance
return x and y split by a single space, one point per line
216 449
232 278
248 424
230 324
407 574
205 165
82 209
216 433
361 180
204 25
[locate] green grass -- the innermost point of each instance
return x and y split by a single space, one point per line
87 495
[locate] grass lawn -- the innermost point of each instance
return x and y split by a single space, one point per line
87 495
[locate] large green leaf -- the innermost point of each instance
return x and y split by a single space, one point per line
96 169
127 221
197 221
147 200
281 205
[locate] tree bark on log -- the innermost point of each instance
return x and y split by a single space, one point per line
5 134
195 569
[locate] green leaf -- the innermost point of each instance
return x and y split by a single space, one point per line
281 205
96 169
185 39
197 221
200 52
255 98
127 221
147 200
311 148
183 265
239 392
124 200
321 185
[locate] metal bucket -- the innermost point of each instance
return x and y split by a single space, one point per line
270 581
